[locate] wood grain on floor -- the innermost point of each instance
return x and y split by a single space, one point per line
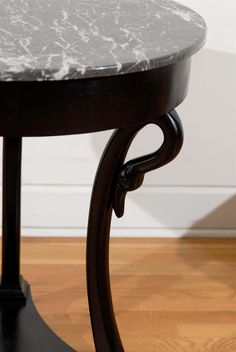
169 294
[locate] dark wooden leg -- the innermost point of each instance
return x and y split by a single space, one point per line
11 282
21 327
113 180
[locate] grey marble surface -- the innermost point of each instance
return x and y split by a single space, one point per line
70 39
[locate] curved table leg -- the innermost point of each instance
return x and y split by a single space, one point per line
113 180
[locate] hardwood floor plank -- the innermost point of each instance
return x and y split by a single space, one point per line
169 294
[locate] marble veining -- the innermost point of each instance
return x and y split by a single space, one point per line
72 39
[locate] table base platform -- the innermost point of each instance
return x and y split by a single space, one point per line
23 329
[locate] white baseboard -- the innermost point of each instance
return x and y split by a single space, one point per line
151 211
121 233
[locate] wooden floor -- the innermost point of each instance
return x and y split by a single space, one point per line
169 295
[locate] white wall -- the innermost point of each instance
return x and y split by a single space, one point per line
195 195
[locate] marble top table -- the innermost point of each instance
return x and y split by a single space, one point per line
82 66
71 39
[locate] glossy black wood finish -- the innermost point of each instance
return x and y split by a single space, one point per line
113 180
11 211
11 283
23 330
128 103
89 105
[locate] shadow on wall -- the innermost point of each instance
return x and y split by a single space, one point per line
213 258
170 210
219 218
207 156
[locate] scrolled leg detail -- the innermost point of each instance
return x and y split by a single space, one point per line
113 180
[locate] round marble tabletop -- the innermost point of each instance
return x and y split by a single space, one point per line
72 39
